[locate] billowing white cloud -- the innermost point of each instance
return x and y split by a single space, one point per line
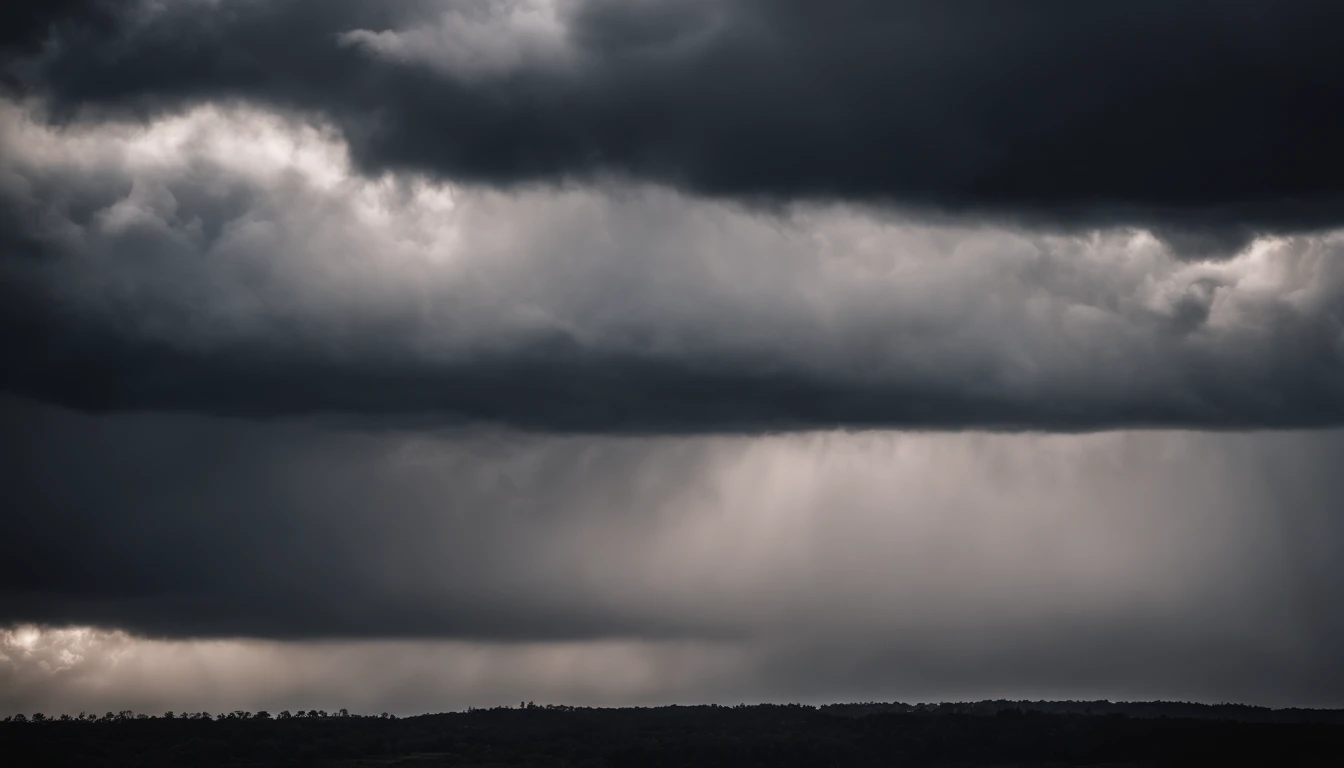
472 40
236 230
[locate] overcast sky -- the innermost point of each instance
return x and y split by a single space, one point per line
411 356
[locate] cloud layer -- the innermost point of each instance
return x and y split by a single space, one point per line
813 566
231 262
1214 120
519 339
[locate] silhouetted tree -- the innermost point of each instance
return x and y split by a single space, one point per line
792 736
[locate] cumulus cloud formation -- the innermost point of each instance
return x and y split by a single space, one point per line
232 262
476 40
1213 119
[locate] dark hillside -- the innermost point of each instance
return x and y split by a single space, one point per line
978 734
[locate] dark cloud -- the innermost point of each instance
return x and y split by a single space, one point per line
179 527
823 566
229 263
25 27
240 281
1199 115
557 385
352 223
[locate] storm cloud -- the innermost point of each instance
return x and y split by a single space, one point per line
818 565
1212 120
452 353
232 262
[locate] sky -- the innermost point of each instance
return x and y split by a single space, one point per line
415 356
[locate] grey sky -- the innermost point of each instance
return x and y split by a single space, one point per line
1214 119
419 355
1155 563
